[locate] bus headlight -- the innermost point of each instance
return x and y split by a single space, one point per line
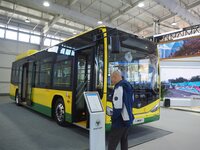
155 108
109 111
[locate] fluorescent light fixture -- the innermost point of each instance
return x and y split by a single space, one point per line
46 4
27 20
141 4
74 33
100 22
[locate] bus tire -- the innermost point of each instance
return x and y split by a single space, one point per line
17 98
59 112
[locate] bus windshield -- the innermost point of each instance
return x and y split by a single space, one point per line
138 62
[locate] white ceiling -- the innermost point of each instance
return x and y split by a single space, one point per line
68 16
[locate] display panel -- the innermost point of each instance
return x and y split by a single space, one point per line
180 68
182 48
93 101
180 82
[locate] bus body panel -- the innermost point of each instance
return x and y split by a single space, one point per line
146 114
13 89
44 98
104 99
26 54
146 109
142 115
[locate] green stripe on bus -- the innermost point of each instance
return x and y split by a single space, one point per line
150 119
47 111
68 117
41 108
108 127
12 97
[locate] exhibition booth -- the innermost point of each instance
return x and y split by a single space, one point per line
180 72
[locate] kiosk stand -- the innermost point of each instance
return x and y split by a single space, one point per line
97 120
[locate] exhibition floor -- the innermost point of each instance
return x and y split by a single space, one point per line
23 129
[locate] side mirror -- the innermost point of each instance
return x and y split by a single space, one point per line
115 44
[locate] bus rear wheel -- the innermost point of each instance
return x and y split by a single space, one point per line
59 112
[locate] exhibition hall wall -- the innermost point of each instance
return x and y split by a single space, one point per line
8 51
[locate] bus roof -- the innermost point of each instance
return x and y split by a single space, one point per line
84 32
27 53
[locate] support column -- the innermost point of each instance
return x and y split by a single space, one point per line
156 27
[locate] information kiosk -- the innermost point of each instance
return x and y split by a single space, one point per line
97 120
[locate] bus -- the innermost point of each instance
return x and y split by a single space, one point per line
52 81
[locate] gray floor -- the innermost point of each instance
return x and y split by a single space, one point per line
185 128
23 129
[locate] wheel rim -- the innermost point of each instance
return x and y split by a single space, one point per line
60 112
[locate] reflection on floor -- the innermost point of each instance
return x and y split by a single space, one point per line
144 133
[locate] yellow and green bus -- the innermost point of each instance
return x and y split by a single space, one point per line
52 81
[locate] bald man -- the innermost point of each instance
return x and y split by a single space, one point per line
122 117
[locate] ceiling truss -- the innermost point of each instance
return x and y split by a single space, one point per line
123 14
185 32
175 8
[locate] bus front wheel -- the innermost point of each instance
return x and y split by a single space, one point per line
59 112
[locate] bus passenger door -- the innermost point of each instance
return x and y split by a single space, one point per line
20 83
82 82
31 69
25 84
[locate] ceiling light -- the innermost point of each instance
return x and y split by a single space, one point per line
46 4
100 22
27 20
74 33
174 24
141 5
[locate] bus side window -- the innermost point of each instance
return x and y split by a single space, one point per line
45 75
13 74
43 70
36 80
17 75
62 74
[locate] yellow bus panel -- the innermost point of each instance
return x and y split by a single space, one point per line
26 54
45 97
13 89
